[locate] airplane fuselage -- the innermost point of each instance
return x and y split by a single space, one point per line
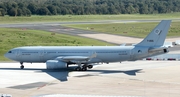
104 53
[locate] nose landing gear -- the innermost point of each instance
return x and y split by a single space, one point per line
22 66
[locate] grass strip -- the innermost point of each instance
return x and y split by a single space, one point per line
128 29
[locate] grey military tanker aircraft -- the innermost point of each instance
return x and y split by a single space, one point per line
57 57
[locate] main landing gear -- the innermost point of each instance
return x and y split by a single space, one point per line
83 67
22 66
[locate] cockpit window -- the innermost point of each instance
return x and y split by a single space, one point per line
10 52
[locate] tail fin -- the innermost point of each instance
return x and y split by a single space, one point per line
157 35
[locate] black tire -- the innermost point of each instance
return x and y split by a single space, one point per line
84 69
90 66
78 69
22 67
84 66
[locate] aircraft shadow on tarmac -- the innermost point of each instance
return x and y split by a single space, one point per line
128 72
62 74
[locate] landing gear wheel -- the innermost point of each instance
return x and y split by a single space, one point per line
22 67
84 69
78 69
90 66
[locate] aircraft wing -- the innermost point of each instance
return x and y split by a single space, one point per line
76 59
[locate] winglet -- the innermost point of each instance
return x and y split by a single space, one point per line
157 35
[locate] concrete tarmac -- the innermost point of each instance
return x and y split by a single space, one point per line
140 78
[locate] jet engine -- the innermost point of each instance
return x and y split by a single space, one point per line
55 64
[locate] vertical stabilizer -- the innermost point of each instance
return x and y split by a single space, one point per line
157 35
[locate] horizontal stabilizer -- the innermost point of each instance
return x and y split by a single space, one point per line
157 49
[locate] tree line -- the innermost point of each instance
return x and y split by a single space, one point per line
86 7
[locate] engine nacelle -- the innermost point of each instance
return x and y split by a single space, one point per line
55 64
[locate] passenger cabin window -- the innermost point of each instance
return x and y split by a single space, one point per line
10 52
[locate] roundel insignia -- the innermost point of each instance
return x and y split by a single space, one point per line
157 31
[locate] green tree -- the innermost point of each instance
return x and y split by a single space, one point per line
19 12
43 11
143 9
3 8
2 12
64 11
104 10
14 4
58 10
162 9
80 7
26 12
130 9
13 12
78 10
52 9
21 5
32 7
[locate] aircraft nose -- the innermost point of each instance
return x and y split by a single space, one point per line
6 55
10 55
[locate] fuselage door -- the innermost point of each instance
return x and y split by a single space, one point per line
17 52
41 55
18 55
41 52
132 54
